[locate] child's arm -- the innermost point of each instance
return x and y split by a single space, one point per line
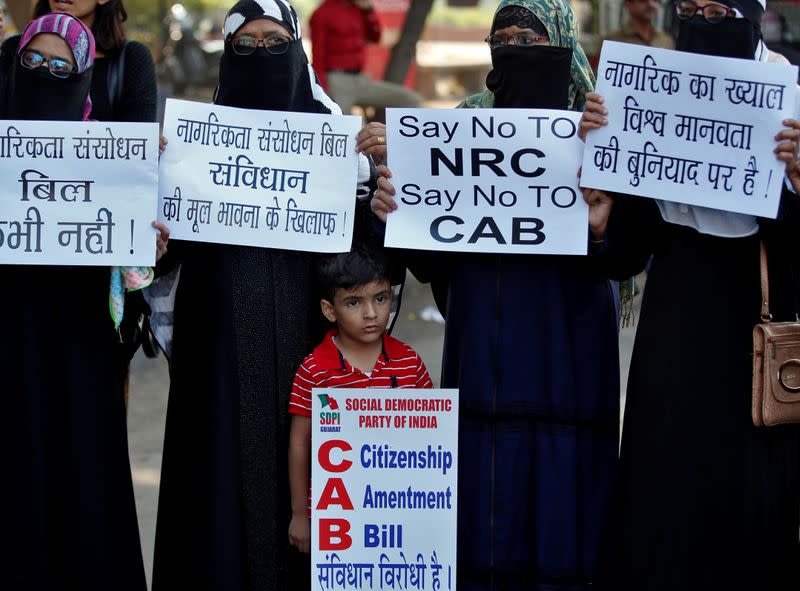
299 461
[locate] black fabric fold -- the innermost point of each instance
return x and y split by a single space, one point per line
265 81
530 77
733 37
38 95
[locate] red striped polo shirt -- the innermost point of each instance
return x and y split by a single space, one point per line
398 366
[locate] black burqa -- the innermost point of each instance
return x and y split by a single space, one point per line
66 496
244 320
706 500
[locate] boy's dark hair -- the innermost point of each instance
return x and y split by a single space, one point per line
108 28
346 270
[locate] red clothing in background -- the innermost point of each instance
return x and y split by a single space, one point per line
340 32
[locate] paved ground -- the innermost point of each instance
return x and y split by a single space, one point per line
150 383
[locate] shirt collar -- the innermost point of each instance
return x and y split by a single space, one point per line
328 356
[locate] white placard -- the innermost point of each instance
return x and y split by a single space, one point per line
486 180
259 178
78 193
384 489
690 128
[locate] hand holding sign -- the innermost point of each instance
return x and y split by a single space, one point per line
383 201
600 204
371 140
594 115
786 151
162 238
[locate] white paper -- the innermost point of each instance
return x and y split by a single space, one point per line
690 128
524 198
393 456
259 178
78 193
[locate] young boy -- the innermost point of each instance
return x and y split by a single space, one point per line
358 353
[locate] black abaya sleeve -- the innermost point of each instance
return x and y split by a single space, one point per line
8 53
634 232
781 237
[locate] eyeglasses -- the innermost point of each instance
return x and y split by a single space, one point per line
520 40
32 59
275 44
713 13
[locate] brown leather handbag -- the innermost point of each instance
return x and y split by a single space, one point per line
776 364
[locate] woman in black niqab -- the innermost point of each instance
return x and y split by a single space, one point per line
705 499
66 496
244 319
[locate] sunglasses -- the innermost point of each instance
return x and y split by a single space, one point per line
58 67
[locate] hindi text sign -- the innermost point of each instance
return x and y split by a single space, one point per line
486 180
259 178
78 193
690 128
384 477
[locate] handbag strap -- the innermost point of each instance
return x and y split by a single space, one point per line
766 317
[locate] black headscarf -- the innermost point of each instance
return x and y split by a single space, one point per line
733 37
261 80
528 77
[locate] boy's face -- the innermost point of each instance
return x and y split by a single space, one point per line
362 312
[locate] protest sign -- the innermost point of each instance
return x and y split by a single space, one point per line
78 193
690 128
384 477
259 178
486 180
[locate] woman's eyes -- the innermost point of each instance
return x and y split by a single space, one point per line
61 65
245 41
276 40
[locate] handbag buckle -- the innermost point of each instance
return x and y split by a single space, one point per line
789 375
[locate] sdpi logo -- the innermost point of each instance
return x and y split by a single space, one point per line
329 417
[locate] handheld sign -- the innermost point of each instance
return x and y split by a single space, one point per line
259 178
78 193
384 477
690 128
486 180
